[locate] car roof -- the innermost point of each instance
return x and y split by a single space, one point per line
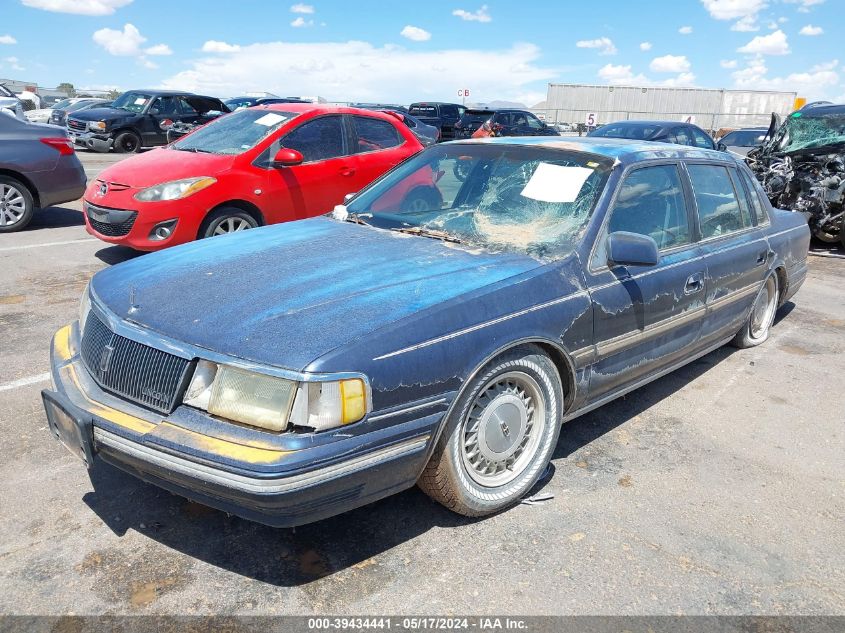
427 103
306 108
820 110
164 93
625 150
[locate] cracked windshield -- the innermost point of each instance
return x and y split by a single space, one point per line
503 198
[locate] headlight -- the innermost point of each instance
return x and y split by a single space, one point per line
175 189
97 125
84 308
273 403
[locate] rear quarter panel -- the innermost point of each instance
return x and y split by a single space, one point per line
789 238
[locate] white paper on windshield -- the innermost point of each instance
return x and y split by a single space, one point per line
556 183
271 118
140 101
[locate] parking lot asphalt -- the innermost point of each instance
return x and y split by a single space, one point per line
718 489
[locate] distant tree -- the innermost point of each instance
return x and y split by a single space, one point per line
67 88
114 94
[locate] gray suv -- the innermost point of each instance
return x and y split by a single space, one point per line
38 168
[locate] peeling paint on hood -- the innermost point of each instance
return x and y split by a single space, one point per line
286 294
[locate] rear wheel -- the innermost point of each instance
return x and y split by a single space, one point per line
756 328
499 437
227 220
127 143
17 205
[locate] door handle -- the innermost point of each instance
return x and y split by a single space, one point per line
694 283
347 171
762 256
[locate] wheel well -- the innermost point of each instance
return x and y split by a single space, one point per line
243 205
26 182
780 271
565 368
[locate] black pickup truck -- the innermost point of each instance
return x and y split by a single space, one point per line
139 118
443 116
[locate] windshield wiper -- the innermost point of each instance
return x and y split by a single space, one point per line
195 150
423 232
357 219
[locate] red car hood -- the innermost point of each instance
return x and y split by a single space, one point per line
162 165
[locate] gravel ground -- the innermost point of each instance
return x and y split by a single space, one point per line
717 489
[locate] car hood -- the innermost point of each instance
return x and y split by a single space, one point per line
102 114
287 294
162 165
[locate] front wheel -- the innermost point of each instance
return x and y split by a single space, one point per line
127 143
499 437
756 329
227 220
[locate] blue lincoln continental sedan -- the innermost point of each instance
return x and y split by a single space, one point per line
438 330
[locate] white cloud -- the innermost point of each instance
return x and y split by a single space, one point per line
746 24
301 22
733 9
621 74
13 62
685 30
645 46
728 63
215 46
670 64
7 39
683 79
811 30
79 7
302 8
772 44
415 33
804 6
125 43
360 71
473 16
603 43
159 49
816 83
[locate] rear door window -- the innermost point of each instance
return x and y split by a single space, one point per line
449 111
533 122
754 194
679 135
374 134
651 202
719 212
318 139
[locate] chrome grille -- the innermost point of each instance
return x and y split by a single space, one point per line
78 126
132 370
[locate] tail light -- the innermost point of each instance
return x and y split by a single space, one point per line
60 144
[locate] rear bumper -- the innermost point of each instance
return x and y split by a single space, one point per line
304 486
64 183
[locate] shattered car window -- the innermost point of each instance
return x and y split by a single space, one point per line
503 198
234 133
801 131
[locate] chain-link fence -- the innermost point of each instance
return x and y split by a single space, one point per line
715 123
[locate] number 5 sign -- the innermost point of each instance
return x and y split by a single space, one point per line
590 119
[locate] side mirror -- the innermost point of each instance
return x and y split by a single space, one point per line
286 157
721 147
631 249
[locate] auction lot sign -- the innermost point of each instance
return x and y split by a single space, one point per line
485 624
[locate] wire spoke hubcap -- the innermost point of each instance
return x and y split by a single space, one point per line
503 428
764 310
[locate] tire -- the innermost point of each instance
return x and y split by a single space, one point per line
127 143
17 206
226 220
756 329
421 199
520 390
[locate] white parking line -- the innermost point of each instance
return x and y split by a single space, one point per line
25 246
23 382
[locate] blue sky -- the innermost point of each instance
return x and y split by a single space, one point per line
400 52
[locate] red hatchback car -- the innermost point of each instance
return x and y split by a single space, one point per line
263 165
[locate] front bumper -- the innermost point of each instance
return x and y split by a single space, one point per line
277 488
91 140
